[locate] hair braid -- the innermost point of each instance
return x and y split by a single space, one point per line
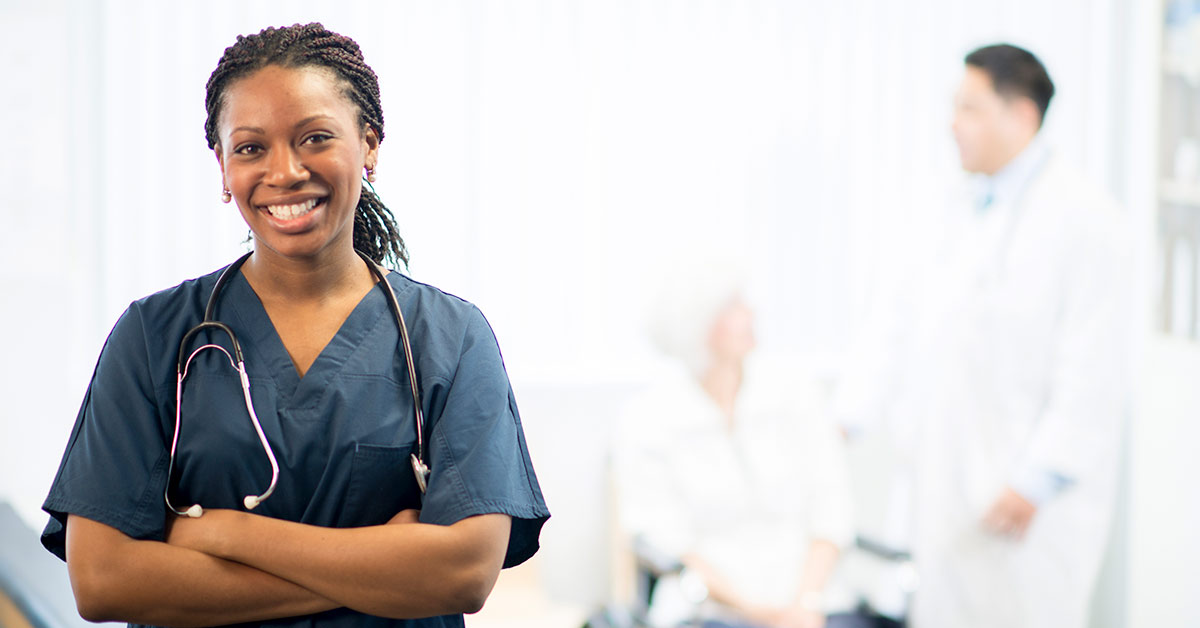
295 46
375 231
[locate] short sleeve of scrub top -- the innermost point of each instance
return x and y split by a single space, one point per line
473 467
115 466
342 434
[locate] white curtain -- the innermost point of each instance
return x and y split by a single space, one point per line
544 159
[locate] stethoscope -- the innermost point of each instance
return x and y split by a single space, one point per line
420 468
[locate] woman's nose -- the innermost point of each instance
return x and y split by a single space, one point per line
284 168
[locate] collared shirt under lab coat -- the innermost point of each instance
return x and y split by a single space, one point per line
748 499
1004 365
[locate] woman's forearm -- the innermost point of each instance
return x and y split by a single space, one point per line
403 571
818 566
116 578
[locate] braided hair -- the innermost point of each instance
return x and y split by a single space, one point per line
296 46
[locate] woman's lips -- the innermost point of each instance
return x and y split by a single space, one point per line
293 211
295 218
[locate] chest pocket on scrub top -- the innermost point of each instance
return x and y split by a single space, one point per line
381 484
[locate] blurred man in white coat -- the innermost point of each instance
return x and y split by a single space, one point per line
1000 373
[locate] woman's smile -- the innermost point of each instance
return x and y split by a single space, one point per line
293 210
295 218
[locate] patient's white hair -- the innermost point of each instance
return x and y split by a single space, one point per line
687 301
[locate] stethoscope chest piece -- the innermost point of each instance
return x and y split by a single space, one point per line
421 471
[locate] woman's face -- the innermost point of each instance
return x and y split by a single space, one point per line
292 153
732 336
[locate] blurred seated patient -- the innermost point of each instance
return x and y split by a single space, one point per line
722 469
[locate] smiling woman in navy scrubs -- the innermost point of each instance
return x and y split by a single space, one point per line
346 538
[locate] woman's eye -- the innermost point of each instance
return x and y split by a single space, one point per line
317 138
247 149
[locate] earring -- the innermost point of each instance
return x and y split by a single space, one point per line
226 195
370 175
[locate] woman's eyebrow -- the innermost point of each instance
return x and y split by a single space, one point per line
309 119
260 130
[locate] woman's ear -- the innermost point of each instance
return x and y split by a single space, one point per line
371 139
225 195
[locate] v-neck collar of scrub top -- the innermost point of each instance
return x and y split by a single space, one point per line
267 356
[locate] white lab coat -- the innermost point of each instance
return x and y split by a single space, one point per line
1007 357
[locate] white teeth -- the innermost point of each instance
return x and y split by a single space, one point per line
288 212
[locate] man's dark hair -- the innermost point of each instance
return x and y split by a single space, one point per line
1015 72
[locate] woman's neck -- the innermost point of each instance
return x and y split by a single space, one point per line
722 381
307 279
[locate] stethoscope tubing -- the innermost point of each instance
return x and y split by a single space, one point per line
421 470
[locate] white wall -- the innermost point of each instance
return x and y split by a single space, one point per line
1164 569
1162 515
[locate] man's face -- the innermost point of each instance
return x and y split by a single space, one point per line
990 130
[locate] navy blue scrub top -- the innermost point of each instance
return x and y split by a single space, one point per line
342 434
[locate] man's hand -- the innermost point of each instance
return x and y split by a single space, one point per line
1010 515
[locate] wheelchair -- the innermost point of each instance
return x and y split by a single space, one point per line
652 568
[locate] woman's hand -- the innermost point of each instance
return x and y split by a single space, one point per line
412 515
798 617
794 616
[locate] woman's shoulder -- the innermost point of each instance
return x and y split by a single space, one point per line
447 331
148 331
430 304
179 305
186 294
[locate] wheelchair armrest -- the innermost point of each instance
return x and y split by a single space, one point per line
882 550
653 560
